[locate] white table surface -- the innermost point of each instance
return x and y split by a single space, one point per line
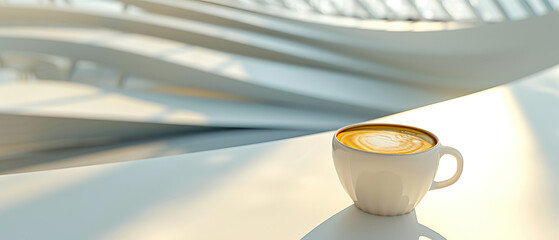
285 189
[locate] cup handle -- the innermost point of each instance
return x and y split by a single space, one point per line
459 167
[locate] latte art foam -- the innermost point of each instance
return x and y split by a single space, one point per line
386 139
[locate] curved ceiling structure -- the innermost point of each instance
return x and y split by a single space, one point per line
479 12
235 67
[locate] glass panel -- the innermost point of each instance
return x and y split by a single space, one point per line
431 9
459 10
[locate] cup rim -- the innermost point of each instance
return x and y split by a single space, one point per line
386 124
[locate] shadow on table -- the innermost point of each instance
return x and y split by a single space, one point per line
95 202
537 100
354 224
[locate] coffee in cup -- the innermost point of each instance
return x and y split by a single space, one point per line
387 139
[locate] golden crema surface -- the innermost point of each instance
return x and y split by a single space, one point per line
386 139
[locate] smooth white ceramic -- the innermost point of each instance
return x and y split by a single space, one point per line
390 184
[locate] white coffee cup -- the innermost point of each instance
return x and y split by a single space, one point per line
390 184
